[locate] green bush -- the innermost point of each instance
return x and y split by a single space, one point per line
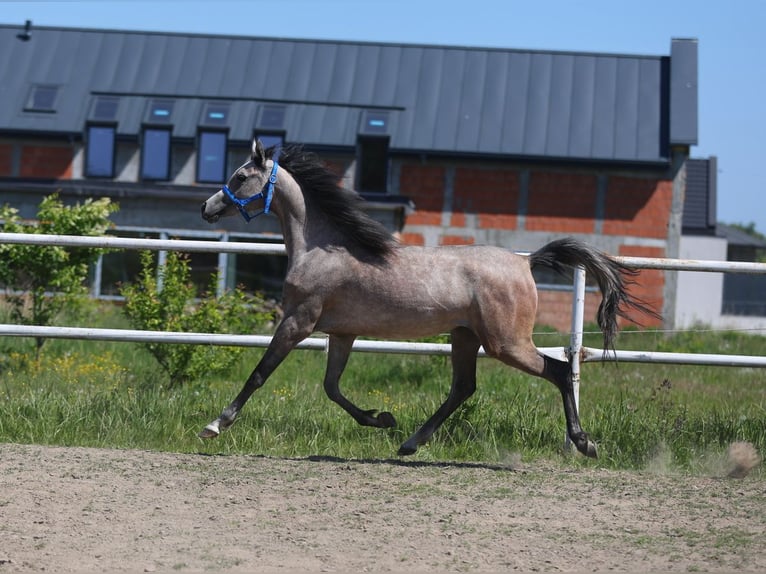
30 273
163 299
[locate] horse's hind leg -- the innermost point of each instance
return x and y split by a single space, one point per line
337 356
465 348
526 357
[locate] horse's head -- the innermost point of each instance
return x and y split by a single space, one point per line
249 189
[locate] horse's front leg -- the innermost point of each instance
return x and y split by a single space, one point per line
338 351
291 331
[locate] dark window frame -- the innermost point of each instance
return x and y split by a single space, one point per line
369 176
89 142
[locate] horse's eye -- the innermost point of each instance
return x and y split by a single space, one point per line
241 177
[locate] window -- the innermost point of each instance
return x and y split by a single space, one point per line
121 266
155 154
42 99
258 273
159 111
105 108
271 117
99 158
211 157
215 114
374 122
372 164
270 125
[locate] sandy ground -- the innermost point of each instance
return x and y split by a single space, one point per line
94 510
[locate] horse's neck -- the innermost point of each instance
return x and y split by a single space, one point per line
302 228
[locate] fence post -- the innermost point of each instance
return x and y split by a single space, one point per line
575 338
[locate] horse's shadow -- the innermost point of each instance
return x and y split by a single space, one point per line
381 461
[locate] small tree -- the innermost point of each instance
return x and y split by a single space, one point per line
32 274
173 307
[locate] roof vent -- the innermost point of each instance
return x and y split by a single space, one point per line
26 35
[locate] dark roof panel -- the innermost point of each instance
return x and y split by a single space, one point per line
442 99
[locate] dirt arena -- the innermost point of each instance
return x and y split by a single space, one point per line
94 510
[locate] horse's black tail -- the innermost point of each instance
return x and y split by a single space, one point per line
612 277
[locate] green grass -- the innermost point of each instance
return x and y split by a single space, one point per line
113 395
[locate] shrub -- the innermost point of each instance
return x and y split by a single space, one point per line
31 273
163 299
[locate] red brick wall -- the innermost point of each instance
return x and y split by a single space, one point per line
424 185
561 202
6 163
649 285
54 162
638 207
493 195
554 309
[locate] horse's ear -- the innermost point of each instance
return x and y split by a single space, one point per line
258 155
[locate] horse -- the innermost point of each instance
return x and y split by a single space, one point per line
347 276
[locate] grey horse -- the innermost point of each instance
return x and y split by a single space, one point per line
347 276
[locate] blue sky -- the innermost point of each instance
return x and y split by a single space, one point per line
732 75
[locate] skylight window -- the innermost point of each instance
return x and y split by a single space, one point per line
105 108
215 114
42 99
160 111
375 122
271 117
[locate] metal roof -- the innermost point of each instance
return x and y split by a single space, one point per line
439 99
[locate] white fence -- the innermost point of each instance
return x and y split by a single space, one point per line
575 352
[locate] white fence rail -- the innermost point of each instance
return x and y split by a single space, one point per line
575 352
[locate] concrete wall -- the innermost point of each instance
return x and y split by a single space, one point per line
699 295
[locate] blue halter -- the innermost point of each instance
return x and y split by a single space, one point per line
269 188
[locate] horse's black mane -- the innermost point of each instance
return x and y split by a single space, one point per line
340 205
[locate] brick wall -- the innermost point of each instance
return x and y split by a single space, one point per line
554 309
649 284
6 160
638 207
493 195
561 202
425 186
48 162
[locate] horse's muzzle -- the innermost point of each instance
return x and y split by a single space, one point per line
210 218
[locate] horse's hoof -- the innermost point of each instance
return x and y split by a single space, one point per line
407 449
386 420
588 448
210 431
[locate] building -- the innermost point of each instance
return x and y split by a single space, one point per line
729 301
507 147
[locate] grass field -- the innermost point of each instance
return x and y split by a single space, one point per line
677 418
